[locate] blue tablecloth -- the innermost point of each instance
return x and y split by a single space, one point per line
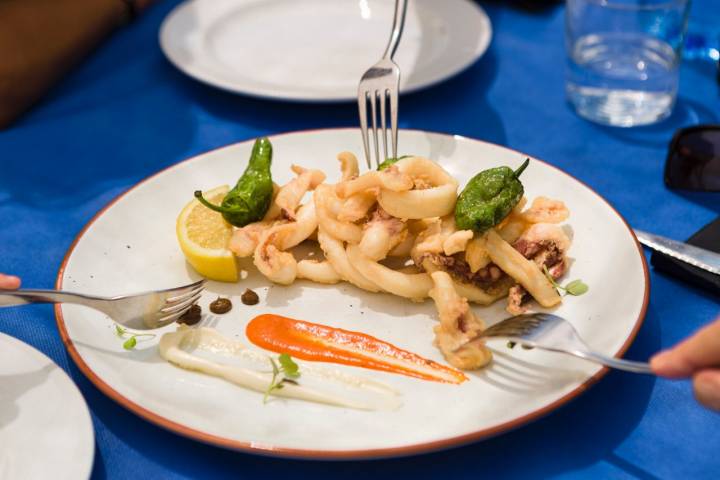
126 113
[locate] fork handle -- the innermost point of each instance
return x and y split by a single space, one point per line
627 365
11 298
397 28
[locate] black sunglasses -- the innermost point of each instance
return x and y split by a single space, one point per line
693 161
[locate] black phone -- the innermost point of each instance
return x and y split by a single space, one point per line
708 238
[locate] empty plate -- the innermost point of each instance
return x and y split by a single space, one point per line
316 50
45 426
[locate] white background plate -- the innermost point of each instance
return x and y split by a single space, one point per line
131 246
45 426
316 50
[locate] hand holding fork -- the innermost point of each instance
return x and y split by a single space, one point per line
141 311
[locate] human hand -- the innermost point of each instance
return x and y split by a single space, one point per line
9 282
40 40
698 357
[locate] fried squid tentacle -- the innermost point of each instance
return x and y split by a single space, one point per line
244 240
458 325
546 210
270 256
290 195
382 233
326 203
357 206
278 266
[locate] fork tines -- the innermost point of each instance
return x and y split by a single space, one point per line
513 326
181 299
379 85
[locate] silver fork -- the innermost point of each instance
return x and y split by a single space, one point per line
379 82
553 333
140 311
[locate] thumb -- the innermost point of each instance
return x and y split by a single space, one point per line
706 386
9 282
702 350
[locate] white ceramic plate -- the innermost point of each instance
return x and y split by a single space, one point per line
316 50
45 426
131 246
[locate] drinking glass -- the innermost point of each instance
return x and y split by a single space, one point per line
623 58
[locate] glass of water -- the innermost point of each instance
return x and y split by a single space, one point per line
623 58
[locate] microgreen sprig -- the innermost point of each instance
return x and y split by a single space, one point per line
576 287
286 372
132 340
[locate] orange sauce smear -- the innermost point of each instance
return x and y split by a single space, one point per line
320 343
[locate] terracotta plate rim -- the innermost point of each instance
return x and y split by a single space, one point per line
355 454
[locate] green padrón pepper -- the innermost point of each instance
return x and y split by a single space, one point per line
250 199
391 161
488 198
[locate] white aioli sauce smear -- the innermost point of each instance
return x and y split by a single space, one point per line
177 347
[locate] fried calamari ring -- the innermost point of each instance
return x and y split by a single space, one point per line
436 201
317 271
470 291
403 248
476 254
524 271
412 286
414 229
477 295
358 205
547 232
511 230
457 242
274 211
293 233
348 166
336 255
389 179
514 224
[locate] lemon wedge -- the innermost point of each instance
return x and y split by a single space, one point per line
203 236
